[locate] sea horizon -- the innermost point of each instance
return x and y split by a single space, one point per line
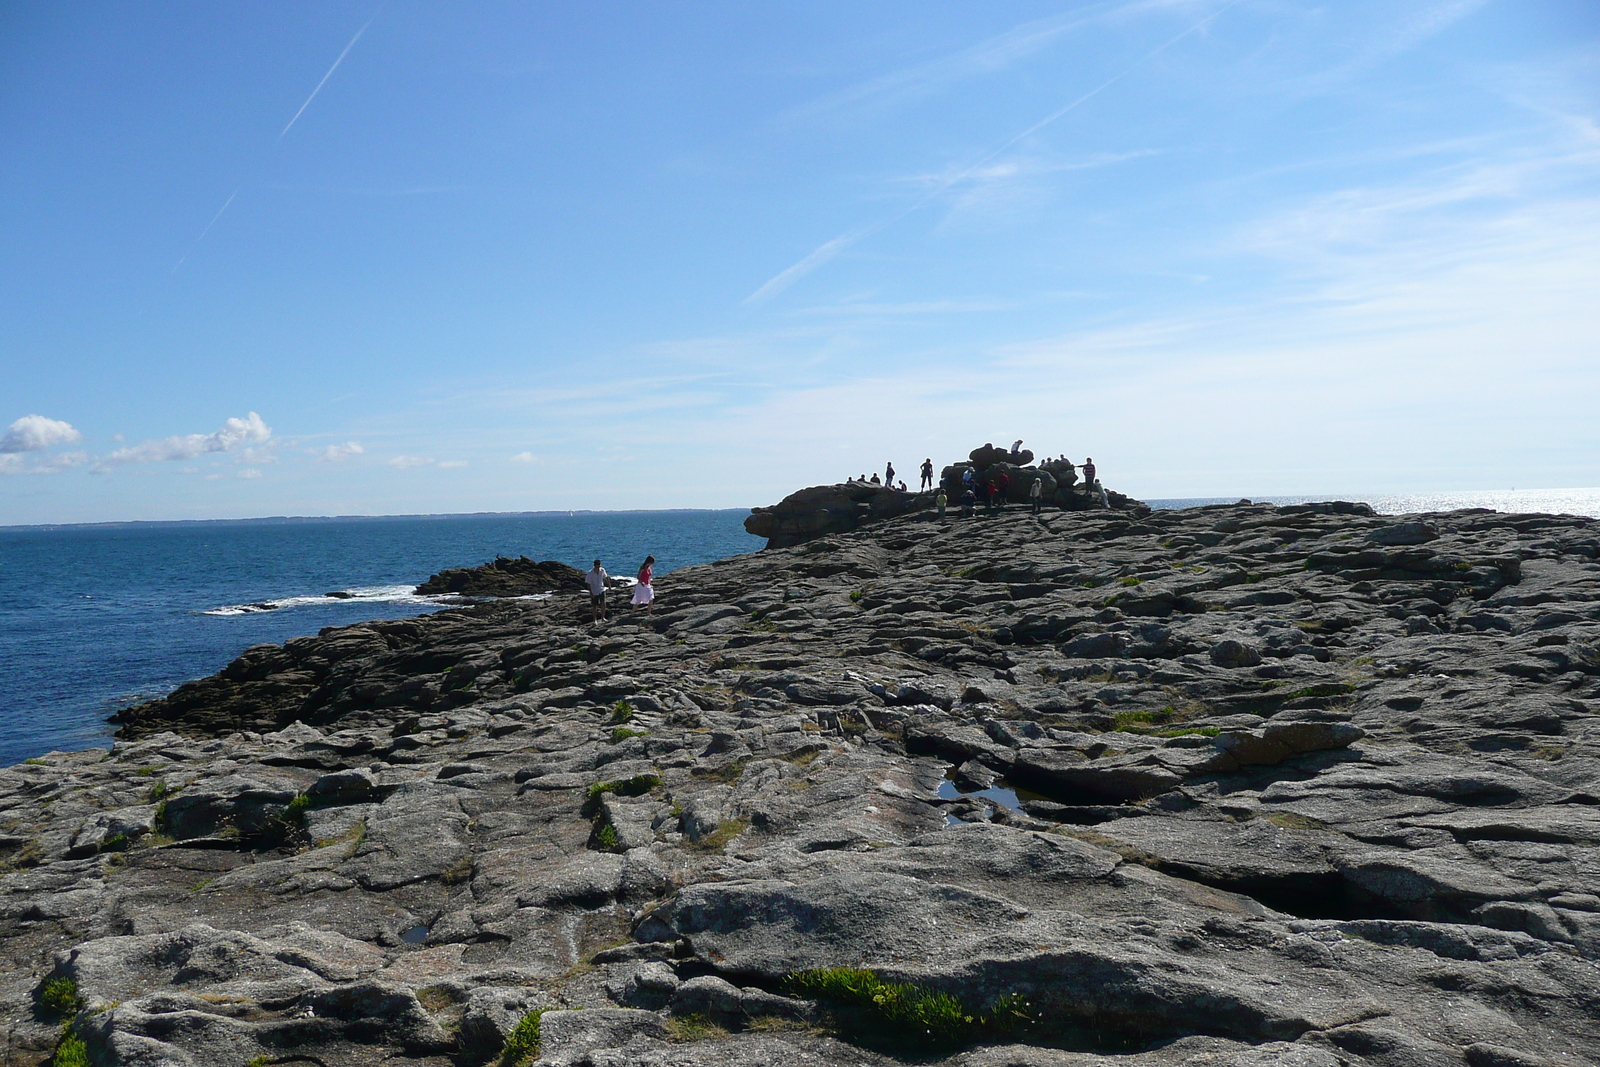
1387 503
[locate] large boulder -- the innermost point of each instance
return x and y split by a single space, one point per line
989 455
504 577
830 509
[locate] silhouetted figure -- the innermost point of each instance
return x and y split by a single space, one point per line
927 474
888 474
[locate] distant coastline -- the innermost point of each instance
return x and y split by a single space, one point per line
1567 501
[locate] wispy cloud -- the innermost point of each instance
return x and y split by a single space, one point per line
818 256
1401 36
326 76
207 230
405 463
988 57
829 249
233 433
340 453
34 433
15 463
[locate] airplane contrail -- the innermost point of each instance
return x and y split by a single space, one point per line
326 76
828 250
207 230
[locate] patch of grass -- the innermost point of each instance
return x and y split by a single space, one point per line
1201 731
116 843
522 1044
70 1050
606 837
1130 580
59 996
728 772
894 1015
856 595
621 712
158 790
201 884
622 733
718 839
435 998
637 786
1129 720
145 772
696 1027
35 761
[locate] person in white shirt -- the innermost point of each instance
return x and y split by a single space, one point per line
597 590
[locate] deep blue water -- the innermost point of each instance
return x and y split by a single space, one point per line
95 617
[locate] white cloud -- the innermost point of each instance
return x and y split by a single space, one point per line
339 453
234 432
248 472
407 462
33 433
525 457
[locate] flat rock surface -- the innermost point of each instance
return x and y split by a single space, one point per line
1240 785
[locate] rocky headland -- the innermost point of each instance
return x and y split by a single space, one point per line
504 576
1241 785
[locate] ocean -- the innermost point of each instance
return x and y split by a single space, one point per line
93 618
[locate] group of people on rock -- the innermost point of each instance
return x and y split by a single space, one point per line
990 490
644 593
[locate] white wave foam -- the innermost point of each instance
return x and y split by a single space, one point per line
370 594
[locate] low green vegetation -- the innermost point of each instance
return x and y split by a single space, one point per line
622 733
59 996
158 790
70 1050
1130 580
522 1044
902 1016
606 837
726 831
621 712
637 786
35 761
728 772
694 1027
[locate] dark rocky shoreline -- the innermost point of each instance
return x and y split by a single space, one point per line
1238 785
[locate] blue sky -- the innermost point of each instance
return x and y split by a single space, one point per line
342 258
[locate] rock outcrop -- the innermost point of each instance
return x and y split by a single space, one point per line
1238 785
830 509
504 576
834 509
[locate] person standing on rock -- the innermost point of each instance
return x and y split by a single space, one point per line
1088 475
927 474
1002 486
888 474
644 593
596 580
940 500
969 499
1036 494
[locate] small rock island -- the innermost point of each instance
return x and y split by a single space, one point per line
1239 786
